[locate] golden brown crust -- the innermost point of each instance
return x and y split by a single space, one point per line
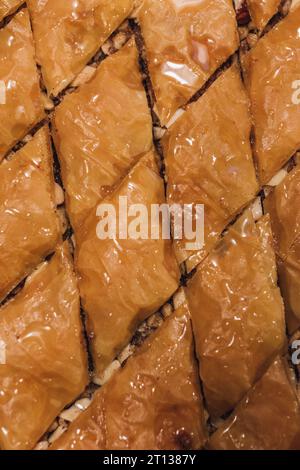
237 314
209 160
101 131
262 11
29 223
7 7
142 407
186 41
268 418
45 363
68 34
128 279
20 103
271 74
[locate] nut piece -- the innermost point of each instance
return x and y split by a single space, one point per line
87 73
59 195
115 365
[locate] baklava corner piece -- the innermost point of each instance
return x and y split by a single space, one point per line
29 222
272 79
122 279
21 105
154 402
237 313
44 365
268 417
185 42
101 130
68 34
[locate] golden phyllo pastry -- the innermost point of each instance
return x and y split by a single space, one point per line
186 41
123 281
20 97
101 131
272 79
237 313
7 7
44 366
68 33
268 418
283 205
143 407
209 161
29 226
262 11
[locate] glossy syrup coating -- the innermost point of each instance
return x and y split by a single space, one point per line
20 97
153 403
186 41
29 226
283 205
123 281
237 313
68 33
209 160
272 79
262 11
101 132
268 418
45 365
7 7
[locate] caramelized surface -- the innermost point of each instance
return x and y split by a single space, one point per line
153 403
68 33
237 313
283 205
208 158
185 42
272 79
101 130
262 11
122 282
29 228
20 98
7 7
268 418
45 367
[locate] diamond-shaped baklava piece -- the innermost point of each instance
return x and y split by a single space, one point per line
7 7
262 11
153 403
123 281
68 33
101 131
44 367
283 205
268 418
20 98
237 313
273 82
208 158
29 227
186 41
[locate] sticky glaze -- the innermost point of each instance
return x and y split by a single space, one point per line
143 407
45 367
29 228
